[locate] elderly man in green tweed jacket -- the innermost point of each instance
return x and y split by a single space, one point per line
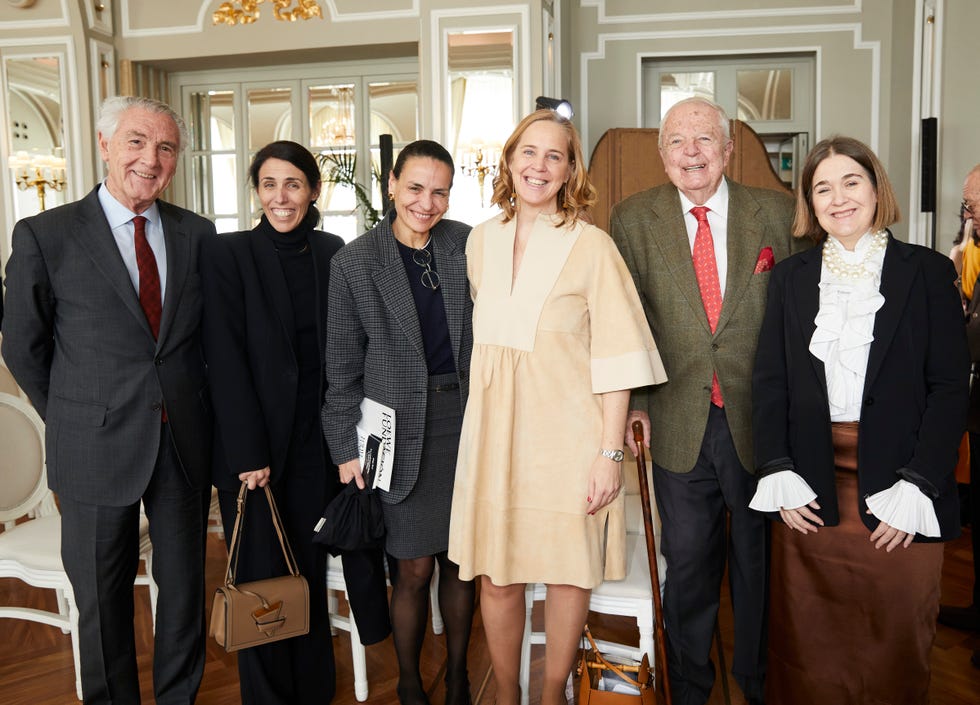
700 250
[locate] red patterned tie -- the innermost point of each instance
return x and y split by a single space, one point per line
146 263
706 271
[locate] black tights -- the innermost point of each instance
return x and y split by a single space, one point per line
409 615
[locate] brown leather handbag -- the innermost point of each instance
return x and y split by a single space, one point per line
261 611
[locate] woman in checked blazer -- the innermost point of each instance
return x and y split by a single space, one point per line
399 333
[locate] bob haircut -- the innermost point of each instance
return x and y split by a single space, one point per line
805 223
112 109
575 197
424 149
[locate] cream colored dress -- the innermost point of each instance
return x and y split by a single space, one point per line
571 329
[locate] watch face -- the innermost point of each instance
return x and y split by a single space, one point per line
614 455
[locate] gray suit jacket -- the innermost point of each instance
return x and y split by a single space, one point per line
374 342
78 343
648 228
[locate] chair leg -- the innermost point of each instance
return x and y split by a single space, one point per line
332 609
152 585
437 623
525 674
75 649
358 661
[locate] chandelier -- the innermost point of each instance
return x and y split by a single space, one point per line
247 11
338 129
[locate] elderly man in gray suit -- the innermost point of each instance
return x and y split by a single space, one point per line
102 332
700 250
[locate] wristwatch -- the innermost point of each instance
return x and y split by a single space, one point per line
615 455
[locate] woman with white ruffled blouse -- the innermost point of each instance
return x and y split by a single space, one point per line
859 403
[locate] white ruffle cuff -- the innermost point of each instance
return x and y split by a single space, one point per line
905 507
781 490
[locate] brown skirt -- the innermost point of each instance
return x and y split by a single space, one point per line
848 623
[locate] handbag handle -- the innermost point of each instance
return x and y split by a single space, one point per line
611 666
236 536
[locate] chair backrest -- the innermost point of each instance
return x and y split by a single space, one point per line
24 482
626 160
8 385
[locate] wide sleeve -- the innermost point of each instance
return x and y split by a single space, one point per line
623 352
770 385
28 324
346 349
238 413
947 370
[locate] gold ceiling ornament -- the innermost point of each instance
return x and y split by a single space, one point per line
247 11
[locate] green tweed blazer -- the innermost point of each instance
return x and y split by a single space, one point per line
648 228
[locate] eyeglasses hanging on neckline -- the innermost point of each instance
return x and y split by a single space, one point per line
430 277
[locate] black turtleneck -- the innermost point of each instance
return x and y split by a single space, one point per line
296 260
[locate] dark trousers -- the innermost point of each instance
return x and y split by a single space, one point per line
300 670
694 507
975 510
100 552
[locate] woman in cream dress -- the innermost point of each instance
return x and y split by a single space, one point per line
559 340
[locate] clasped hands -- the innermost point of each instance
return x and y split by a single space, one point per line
802 519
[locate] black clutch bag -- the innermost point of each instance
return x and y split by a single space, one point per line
353 520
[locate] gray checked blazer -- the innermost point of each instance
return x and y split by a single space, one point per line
374 342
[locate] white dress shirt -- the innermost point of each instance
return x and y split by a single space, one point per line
121 223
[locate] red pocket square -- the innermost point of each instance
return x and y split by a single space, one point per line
765 261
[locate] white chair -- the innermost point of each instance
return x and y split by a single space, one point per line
8 385
30 550
336 584
630 597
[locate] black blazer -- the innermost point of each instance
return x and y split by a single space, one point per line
248 320
915 391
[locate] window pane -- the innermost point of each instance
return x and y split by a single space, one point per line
675 87
269 117
394 107
765 94
225 182
343 225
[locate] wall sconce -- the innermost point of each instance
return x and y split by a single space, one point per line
39 171
562 107
473 164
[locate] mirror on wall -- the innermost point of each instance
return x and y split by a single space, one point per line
35 133
481 115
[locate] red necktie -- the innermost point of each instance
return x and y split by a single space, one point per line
706 271
146 263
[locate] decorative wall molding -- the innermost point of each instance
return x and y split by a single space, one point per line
337 16
438 42
702 33
605 19
52 22
208 7
101 20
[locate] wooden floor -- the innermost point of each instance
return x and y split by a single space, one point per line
36 661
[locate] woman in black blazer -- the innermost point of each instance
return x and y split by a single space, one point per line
265 297
859 403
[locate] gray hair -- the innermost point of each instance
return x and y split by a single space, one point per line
723 121
113 108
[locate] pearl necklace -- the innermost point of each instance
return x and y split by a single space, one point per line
834 260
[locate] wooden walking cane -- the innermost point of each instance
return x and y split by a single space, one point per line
660 667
